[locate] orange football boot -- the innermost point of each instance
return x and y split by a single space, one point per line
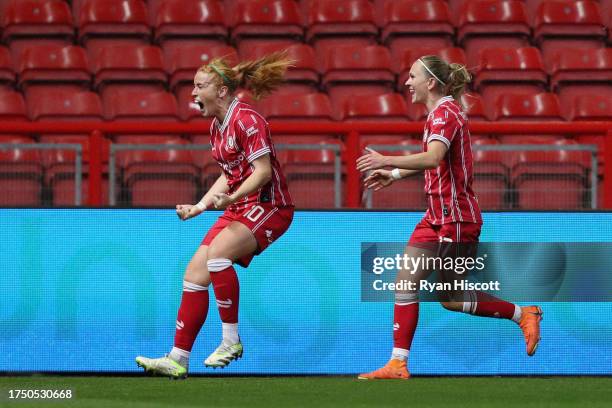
393 370
531 316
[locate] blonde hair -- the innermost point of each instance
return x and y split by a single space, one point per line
452 78
261 76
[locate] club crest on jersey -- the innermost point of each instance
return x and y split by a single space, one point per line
230 143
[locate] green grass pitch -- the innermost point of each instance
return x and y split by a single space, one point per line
315 392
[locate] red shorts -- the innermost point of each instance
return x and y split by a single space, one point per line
451 232
266 221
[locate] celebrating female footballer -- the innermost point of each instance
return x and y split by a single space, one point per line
453 214
253 192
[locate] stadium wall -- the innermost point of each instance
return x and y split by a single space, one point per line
88 290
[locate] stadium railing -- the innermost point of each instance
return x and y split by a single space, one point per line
349 133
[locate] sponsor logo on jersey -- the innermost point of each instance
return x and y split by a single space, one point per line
227 166
251 131
269 236
438 121
179 325
396 326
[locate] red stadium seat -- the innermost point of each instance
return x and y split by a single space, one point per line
7 76
302 76
551 179
411 23
473 106
525 107
510 70
151 182
135 105
339 22
404 59
492 23
200 19
357 70
141 106
491 176
387 107
60 169
272 20
158 177
51 65
20 173
65 105
298 107
582 71
591 107
569 24
108 22
123 64
12 106
199 23
315 106
27 22
310 177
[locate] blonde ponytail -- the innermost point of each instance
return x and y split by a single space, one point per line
452 78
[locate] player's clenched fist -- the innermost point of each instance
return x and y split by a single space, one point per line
187 211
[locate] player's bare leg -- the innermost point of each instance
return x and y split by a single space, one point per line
482 304
231 244
405 320
191 316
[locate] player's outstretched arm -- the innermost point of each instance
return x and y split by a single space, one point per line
186 211
379 179
430 159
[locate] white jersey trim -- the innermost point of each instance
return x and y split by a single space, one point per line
440 138
228 115
261 152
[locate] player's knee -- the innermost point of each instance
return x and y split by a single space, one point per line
198 286
199 276
218 264
406 298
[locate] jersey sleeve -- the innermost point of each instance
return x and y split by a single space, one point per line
443 127
252 134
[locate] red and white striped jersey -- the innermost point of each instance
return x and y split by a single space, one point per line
243 137
449 186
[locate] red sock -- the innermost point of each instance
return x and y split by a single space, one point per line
227 291
405 319
191 315
489 306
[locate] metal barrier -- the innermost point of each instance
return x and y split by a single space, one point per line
591 149
114 148
78 160
351 132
